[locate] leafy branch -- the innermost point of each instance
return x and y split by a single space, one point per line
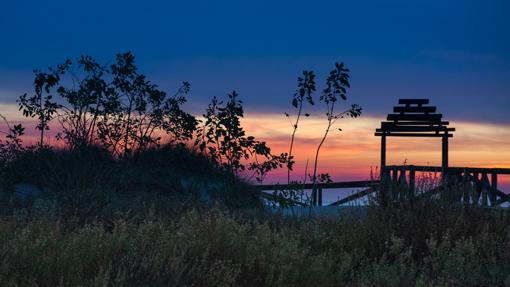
306 86
337 84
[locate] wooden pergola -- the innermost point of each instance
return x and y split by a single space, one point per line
413 118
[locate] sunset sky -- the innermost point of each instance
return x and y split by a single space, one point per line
456 53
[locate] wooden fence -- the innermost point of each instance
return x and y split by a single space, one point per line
321 187
470 185
475 186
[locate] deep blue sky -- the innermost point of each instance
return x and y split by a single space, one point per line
455 52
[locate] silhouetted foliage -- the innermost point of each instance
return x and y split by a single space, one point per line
42 105
140 112
12 145
223 138
85 104
116 106
306 87
337 84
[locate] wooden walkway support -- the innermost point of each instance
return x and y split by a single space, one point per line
321 187
468 185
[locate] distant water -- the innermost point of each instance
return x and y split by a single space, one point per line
331 195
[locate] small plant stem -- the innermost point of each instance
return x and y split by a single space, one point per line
306 171
330 118
43 123
295 126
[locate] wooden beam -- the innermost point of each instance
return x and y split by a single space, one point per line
397 128
412 123
414 109
413 101
344 184
411 135
354 196
415 117
503 196
421 168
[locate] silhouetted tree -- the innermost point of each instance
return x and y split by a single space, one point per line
114 106
306 86
223 138
337 84
42 104
139 112
85 104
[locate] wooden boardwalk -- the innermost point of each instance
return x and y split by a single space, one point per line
415 118
320 187
468 185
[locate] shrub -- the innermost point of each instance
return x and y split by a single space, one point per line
221 248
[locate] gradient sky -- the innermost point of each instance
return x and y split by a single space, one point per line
457 53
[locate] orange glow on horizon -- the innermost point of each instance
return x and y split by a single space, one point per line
351 153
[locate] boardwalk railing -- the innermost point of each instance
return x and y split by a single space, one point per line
320 187
476 186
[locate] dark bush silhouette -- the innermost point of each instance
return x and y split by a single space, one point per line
42 104
11 147
116 106
224 140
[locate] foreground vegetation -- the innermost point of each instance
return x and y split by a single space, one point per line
431 245
170 217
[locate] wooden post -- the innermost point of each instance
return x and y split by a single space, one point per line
320 196
494 186
494 180
477 189
411 181
485 187
394 176
445 151
444 163
384 187
383 152
384 177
